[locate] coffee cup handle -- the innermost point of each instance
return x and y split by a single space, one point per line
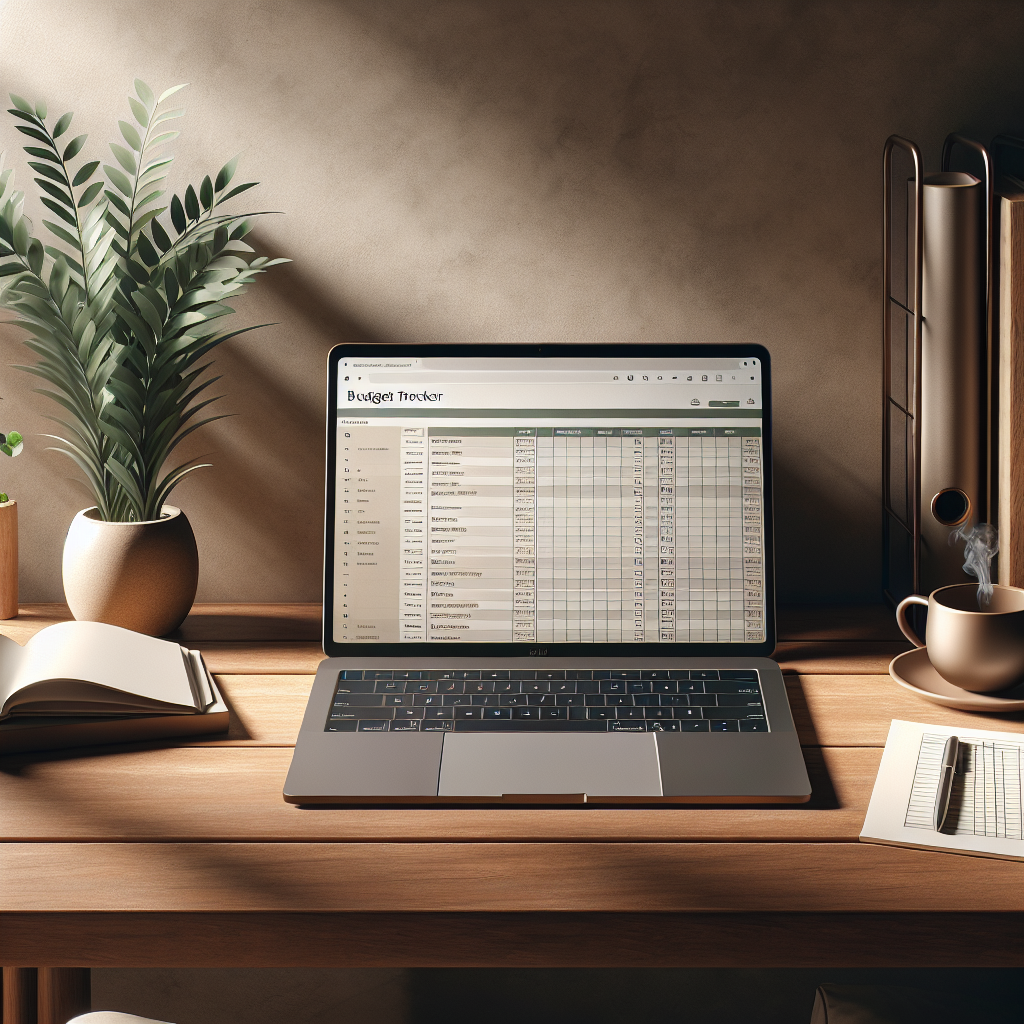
901 617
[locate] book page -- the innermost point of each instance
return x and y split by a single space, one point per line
985 811
152 670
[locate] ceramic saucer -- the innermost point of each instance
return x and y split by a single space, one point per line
914 672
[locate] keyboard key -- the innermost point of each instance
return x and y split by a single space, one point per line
494 714
513 700
673 700
629 714
694 726
594 700
485 700
551 673
569 700
412 725
703 673
658 713
399 700
541 700
436 713
655 674
359 700
588 686
450 686
518 673
389 686
752 725
703 700
647 700
409 714
421 686
479 686
350 673
739 673
506 685
427 700
534 686
564 686
456 700
739 687
739 700
690 687
468 713
437 726
339 714
638 686
683 713
724 725
348 726
377 674
494 674
679 673
519 726
730 713
625 674
619 726
407 675
614 700
553 714
600 714
527 714
659 726
355 685
374 725
664 686
613 685
577 714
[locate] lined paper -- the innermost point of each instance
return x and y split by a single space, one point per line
986 795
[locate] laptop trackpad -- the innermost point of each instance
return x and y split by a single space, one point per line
598 764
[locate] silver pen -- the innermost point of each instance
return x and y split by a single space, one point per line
942 794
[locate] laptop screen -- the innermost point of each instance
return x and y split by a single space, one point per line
550 498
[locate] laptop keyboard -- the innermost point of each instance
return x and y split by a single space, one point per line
559 700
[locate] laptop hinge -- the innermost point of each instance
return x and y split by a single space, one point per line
544 798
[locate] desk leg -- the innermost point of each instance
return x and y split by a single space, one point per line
19 995
64 992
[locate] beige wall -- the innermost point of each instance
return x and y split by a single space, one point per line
524 169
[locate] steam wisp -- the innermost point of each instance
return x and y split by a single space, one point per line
981 543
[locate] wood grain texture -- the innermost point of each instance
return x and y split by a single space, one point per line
1010 329
8 559
856 710
501 877
63 993
189 794
516 940
19 996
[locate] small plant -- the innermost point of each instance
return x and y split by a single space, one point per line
121 308
11 444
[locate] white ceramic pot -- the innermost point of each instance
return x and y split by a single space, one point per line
142 576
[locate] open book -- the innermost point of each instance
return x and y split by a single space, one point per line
88 682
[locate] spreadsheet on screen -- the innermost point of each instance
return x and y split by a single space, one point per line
549 501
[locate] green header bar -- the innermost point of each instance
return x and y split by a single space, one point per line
570 432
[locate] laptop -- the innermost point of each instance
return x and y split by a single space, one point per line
548 580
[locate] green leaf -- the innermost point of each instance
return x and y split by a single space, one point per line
74 147
131 136
56 191
21 104
60 210
35 256
225 174
63 235
124 157
62 125
21 237
191 203
90 193
159 235
8 269
33 133
144 93
166 94
239 189
140 112
162 139
206 193
120 204
42 154
146 250
85 172
47 171
119 180
41 110
178 215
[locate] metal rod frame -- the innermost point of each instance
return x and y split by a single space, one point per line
914 412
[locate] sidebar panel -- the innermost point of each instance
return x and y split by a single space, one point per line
367 548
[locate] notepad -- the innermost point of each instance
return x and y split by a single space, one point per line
985 816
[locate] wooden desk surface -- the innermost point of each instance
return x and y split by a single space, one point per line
185 854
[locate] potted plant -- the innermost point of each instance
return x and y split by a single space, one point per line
122 306
11 444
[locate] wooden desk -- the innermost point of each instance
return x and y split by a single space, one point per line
184 854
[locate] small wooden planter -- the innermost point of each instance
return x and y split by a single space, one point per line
8 560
